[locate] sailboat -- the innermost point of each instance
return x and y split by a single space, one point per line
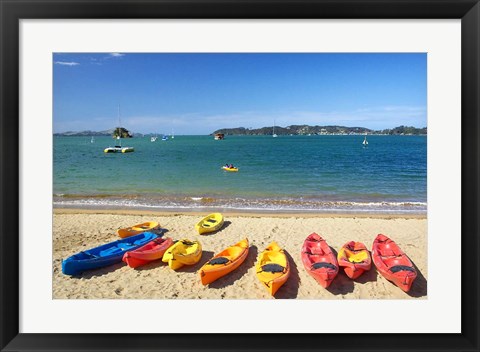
172 136
153 138
118 148
365 142
92 140
274 134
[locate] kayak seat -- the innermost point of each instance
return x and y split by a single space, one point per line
110 251
357 257
397 268
273 268
212 221
387 252
89 255
320 265
188 243
218 260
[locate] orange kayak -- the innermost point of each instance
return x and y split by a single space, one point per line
273 268
153 250
319 260
148 226
355 259
393 263
224 262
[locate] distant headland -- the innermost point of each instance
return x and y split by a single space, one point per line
289 130
321 130
113 132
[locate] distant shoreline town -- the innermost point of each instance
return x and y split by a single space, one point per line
287 131
321 130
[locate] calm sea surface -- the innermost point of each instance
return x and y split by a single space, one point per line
288 173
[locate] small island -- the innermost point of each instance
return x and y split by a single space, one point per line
121 132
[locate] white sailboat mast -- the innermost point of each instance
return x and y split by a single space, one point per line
119 137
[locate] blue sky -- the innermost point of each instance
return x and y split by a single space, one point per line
199 93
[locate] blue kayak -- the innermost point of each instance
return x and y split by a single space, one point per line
104 255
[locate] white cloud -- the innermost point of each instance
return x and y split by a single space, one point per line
116 54
65 63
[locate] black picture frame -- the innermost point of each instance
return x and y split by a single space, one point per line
12 11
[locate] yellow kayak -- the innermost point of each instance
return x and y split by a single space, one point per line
231 169
210 223
273 268
183 252
136 229
224 262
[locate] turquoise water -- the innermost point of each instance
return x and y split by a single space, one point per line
289 173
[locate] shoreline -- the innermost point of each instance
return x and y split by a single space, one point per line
236 213
264 204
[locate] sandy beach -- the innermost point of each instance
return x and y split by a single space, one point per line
75 230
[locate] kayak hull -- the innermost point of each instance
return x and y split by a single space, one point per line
149 226
273 268
230 169
183 252
319 260
210 223
355 259
393 263
105 255
233 256
153 250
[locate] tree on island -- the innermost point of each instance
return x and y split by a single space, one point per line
122 132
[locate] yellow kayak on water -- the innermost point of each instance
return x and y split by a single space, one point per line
231 169
224 262
210 223
273 268
183 252
139 228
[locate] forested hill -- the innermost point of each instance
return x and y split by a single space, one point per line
320 130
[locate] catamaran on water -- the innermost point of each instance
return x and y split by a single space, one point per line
118 148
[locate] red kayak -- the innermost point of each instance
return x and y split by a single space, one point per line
393 263
355 259
153 250
319 260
